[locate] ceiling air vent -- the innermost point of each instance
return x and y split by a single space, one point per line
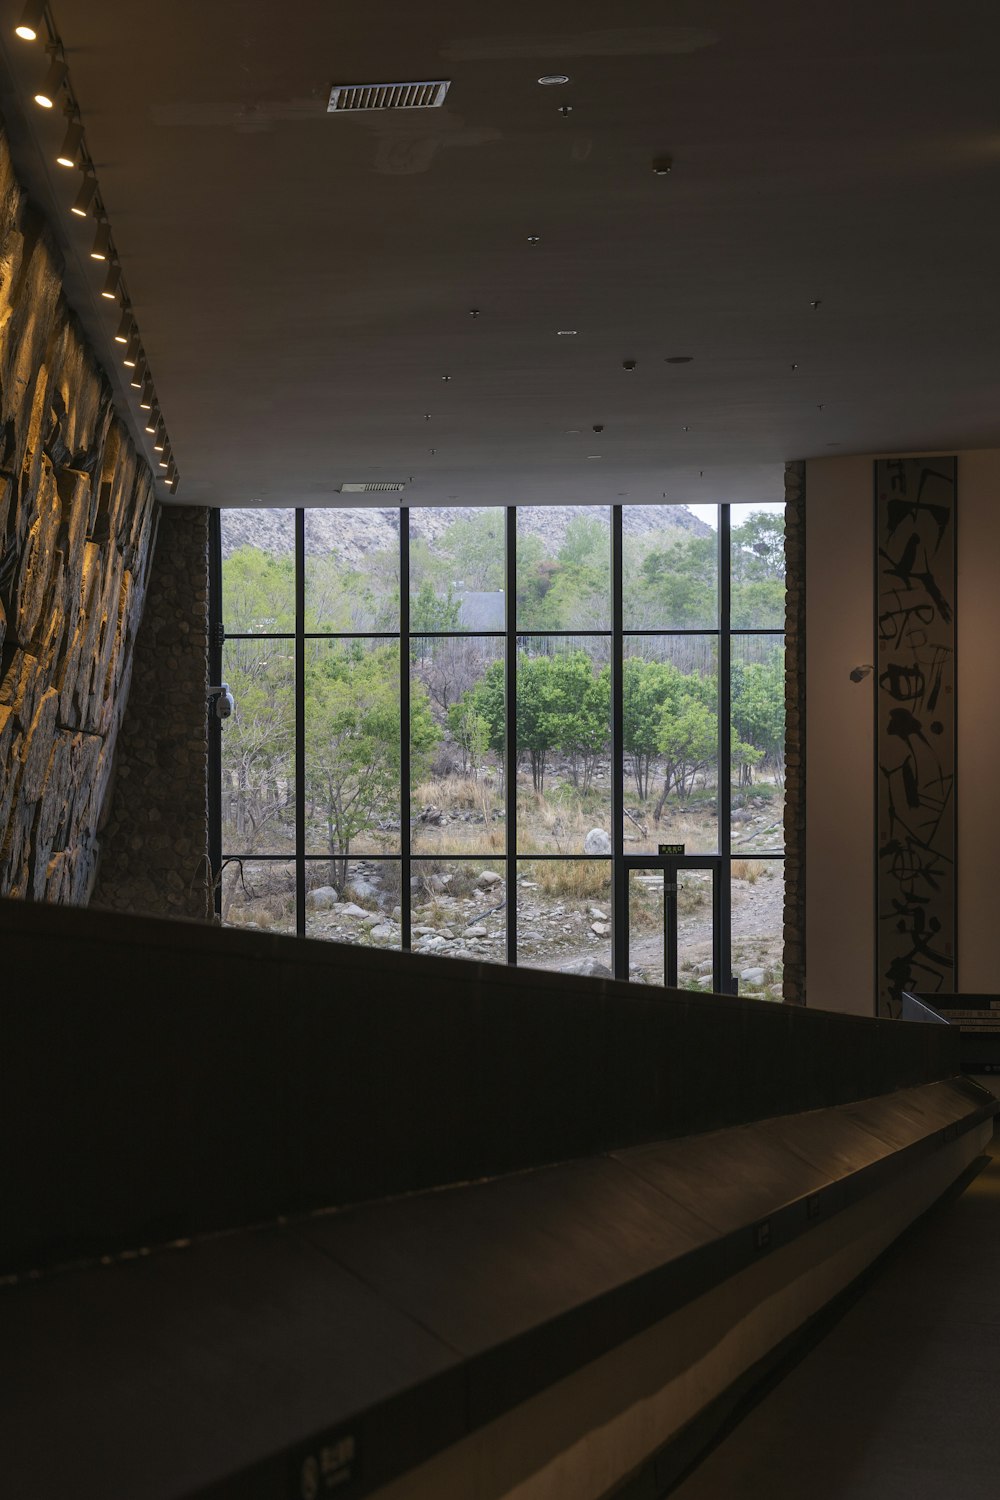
353 97
383 487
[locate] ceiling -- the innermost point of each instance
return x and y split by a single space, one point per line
304 281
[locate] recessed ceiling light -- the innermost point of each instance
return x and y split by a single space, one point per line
573 431
678 359
565 109
662 165
533 239
547 80
473 312
445 377
595 455
566 333
795 367
816 302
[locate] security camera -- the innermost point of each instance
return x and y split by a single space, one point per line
224 703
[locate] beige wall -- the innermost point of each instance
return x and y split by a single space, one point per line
840 829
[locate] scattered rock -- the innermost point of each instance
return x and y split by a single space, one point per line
598 915
432 815
600 929
322 898
597 842
361 888
752 976
475 932
489 878
587 968
382 931
373 919
350 910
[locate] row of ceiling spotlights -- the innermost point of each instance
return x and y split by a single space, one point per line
74 156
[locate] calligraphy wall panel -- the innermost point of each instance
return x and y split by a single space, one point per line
915 571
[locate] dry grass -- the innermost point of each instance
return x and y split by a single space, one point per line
571 879
752 870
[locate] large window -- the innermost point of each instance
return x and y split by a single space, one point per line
462 731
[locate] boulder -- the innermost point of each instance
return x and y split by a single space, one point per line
600 929
489 878
382 932
752 976
475 932
587 968
322 898
597 842
350 910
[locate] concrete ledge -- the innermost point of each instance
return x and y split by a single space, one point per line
163 1080
540 1334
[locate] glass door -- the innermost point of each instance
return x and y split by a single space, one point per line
672 911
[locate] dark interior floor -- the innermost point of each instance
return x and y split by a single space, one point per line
901 1399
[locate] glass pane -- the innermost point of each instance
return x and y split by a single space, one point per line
259 894
457 719
758 895
354 901
459 909
695 926
563 745
670 719
352 570
456 569
258 748
258 571
645 927
757 552
564 915
564 567
758 733
352 749
670 567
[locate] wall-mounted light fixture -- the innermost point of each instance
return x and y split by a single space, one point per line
102 241
71 146
85 197
31 21
37 24
52 87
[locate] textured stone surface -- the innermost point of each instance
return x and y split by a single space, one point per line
794 984
77 524
154 845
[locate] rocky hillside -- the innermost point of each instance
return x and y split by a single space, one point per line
350 534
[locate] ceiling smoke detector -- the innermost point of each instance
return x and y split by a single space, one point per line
380 487
351 98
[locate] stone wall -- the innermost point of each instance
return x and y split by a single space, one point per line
794 982
154 847
77 524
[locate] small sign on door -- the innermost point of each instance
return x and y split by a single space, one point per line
671 849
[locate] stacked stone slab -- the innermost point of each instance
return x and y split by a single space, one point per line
77 524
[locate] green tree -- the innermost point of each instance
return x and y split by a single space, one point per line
257 744
758 570
678 582
258 592
353 761
758 711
